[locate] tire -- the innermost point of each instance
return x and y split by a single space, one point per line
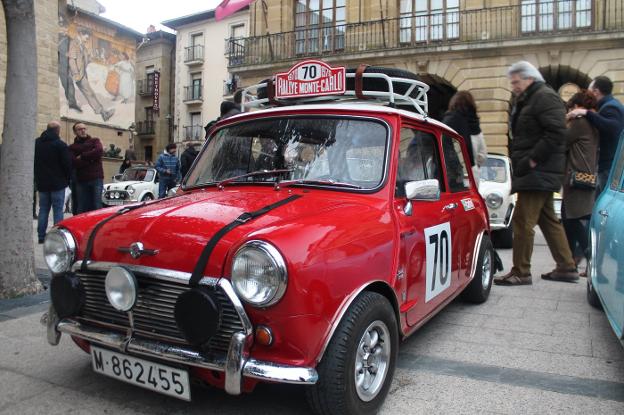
336 392
503 238
592 296
147 197
478 290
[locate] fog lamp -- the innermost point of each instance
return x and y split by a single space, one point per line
67 295
121 288
193 303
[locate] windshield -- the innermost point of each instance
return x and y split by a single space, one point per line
132 174
313 151
494 170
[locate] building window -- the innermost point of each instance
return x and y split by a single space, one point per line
319 25
429 20
551 15
196 86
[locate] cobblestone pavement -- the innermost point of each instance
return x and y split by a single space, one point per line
530 350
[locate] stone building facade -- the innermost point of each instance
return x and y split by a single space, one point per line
155 68
452 45
202 80
46 12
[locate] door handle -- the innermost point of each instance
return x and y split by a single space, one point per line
450 206
604 213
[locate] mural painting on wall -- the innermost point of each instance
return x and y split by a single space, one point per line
96 72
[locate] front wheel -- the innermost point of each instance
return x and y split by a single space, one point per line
147 197
478 290
358 366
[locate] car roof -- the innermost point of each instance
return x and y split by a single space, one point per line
347 106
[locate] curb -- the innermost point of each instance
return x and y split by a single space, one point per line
19 307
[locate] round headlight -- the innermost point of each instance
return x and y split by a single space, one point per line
494 200
130 190
59 250
116 195
121 288
259 274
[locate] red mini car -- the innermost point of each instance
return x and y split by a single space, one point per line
307 240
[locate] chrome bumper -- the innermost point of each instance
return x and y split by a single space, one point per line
235 365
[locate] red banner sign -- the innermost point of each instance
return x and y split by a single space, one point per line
156 106
310 78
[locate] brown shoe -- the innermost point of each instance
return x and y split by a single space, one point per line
513 277
561 275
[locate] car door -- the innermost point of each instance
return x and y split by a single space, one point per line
464 203
607 233
428 265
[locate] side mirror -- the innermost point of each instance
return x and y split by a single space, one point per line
117 177
423 190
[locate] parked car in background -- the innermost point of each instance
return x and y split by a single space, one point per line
495 188
136 184
605 282
307 240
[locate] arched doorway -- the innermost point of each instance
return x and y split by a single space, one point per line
565 79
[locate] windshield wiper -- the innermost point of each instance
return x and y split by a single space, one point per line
222 183
321 182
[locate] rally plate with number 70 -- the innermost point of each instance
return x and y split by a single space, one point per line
160 378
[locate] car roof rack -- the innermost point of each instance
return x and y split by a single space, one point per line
414 95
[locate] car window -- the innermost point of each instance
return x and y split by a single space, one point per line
418 158
494 170
455 164
616 178
133 174
340 150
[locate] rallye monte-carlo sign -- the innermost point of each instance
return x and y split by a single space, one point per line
310 78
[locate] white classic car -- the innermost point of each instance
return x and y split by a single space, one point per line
495 187
134 185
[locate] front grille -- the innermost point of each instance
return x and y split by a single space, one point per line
154 311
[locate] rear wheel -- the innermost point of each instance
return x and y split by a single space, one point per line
592 296
478 290
358 366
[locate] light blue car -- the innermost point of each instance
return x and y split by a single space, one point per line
605 282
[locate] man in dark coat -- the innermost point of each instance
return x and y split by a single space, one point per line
87 161
187 158
538 156
609 120
52 171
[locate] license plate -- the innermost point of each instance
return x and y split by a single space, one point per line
154 376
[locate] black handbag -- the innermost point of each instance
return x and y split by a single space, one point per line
582 180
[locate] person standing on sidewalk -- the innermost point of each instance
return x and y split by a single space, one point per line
538 156
168 167
609 120
87 160
52 172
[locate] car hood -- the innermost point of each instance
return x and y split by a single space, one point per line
179 228
122 185
487 187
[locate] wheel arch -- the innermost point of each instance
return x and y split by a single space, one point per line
380 287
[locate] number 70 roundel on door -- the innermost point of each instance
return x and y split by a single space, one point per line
439 257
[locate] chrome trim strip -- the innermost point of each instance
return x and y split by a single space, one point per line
227 288
158 273
265 371
234 364
475 254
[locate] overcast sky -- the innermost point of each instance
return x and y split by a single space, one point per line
139 14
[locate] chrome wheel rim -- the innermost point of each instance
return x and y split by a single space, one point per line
372 360
486 269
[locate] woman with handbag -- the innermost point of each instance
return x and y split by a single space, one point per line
579 185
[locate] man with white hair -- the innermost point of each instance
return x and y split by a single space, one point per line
538 156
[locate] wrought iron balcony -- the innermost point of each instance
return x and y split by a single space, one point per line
145 127
145 87
194 132
193 94
194 54
493 24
